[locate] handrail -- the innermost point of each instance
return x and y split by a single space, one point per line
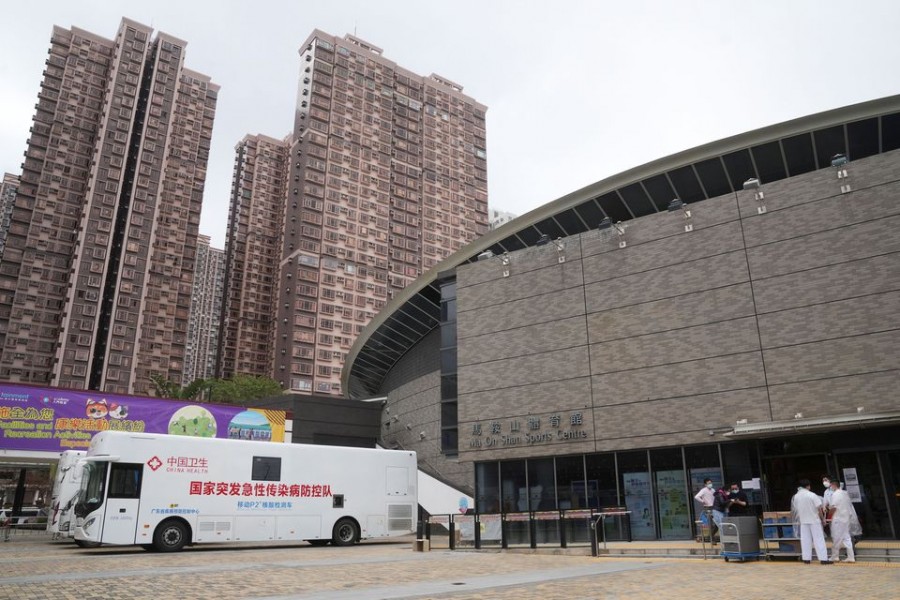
709 526
601 522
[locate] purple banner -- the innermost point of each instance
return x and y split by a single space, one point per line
50 419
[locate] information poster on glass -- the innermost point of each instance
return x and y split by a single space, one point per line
672 502
638 500
699 475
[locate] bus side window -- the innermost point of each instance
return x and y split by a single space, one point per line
125 480
266 468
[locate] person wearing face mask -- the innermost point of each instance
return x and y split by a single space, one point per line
720 506
738 504
844 523
806 509
706 497
826 497
826 502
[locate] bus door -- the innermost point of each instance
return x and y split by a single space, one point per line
123 498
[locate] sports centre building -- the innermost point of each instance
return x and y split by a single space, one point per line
731 311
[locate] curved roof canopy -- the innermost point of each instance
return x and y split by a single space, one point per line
767 154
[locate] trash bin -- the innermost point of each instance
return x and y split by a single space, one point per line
739 537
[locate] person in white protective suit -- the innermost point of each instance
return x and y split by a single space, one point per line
806 510
844 522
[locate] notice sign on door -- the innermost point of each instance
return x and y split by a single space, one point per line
851 484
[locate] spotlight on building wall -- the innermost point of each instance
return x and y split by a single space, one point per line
607 223
675 205
543 240
621 231
798 415
560 250
758 195
839 161
504 260
486 255
421 435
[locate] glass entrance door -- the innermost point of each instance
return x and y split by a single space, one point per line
783 473
862 477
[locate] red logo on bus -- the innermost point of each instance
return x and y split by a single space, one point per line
154 463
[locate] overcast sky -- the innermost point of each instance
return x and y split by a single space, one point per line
576 90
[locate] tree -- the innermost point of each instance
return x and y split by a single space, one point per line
242 387
226 391
165 388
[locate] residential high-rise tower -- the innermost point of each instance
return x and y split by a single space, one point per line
252 253
8 189
387 176
206 310
98 268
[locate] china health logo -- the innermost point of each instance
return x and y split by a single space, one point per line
154 463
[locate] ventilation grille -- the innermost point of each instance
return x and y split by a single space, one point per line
400 517
214 526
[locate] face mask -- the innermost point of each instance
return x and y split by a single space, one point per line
734 491
709 485
826 483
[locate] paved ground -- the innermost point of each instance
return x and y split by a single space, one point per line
33 567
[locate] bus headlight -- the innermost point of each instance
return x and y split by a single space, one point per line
88 523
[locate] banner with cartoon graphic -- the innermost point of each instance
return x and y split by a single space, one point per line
48 419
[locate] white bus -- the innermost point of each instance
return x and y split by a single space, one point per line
65 489
163 492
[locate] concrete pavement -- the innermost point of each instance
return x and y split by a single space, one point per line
35 567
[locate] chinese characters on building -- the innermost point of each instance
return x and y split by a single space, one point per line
537 430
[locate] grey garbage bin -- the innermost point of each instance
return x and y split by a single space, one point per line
739 537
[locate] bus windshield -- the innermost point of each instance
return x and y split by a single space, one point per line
93 481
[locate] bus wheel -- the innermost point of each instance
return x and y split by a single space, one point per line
346 533
86 544
170 536
318 542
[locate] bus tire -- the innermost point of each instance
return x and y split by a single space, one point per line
345 532
170 536
318 542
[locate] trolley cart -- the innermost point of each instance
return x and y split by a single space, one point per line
739 537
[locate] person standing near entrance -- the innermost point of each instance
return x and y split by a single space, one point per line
720 506
844 523
738 503
706 497
806 510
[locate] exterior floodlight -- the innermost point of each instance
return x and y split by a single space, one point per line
751 184
606 223
560 249
485 255
504 259
621 231
839 160
675 204
544 239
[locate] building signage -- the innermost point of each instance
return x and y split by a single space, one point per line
54 420
528 431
